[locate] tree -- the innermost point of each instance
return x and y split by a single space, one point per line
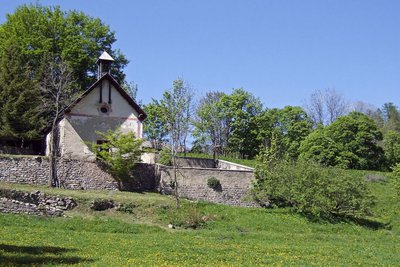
155 129
324 107
392 148
292 124
350 142
241 109
20 101
320 148
72 35
177 112
57 90
119 152
210 123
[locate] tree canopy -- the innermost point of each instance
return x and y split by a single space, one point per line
71 35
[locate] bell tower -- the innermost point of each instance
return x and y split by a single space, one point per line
104 64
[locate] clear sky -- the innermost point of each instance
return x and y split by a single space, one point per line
281 51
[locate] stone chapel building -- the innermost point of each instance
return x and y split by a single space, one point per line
103 106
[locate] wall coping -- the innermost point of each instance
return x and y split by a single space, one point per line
207 169
236 164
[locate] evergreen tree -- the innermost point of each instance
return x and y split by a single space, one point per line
19 98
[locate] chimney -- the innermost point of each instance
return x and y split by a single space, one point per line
104 64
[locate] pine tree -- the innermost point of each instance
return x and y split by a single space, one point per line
19 99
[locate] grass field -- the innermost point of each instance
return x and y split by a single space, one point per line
230 237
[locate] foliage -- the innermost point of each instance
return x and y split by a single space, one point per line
166 156
155 129
213 183
349 142
127 207
396 178
177 112
211 123
120 152
74 36
392 147
289 126
241 108
20 101
187 217
317 192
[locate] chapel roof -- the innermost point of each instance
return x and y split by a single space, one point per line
141 114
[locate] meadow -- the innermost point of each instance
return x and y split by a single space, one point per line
205 234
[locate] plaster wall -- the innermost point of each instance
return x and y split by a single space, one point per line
79 126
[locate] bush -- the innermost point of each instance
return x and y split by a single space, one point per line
165 157
127 208
102 204
214 183
396 178
314 191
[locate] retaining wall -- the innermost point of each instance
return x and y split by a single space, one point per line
73 174
192 184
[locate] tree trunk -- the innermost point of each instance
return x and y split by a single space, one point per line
53 179
176 191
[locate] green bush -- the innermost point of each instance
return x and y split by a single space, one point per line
127 208
396 178
213 183
166 157
312 190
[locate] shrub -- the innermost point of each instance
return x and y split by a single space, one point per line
214 183
119 152
314 191
102 204
187 217
127 208
396 178
165 157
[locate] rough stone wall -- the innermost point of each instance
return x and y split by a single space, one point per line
73 174
36 203
192 184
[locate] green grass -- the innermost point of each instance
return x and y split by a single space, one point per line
232 237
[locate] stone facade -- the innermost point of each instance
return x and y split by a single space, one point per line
192 184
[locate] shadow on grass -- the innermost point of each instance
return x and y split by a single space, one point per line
367 223
11 255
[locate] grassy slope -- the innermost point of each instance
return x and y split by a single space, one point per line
237 237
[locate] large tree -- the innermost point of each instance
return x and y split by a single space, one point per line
155 128
291 124
351 142
20 113
241 108
211 124
73 36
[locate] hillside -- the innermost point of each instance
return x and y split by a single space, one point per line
229 236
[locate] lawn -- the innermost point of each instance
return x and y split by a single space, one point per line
230 237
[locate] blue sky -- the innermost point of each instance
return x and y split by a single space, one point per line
281 51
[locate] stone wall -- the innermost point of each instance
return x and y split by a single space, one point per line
73 174
192 183
35 203
195 162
